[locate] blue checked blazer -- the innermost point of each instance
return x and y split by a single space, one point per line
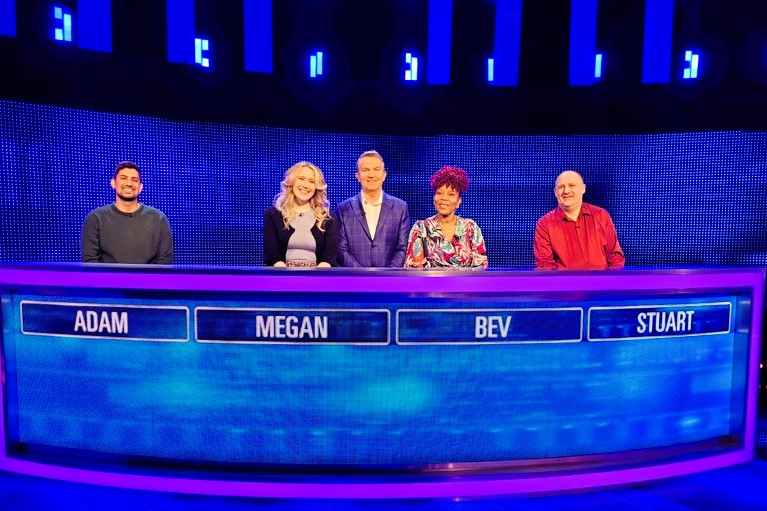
355 248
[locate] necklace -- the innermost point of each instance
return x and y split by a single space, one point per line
448 229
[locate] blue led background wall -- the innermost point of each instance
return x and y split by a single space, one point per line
685 199
667 156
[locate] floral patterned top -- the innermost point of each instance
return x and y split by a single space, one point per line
427 248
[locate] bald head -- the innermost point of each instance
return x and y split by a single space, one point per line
569 189
568 175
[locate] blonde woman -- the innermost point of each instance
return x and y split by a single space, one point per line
299 230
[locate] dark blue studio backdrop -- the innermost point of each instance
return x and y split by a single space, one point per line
678 199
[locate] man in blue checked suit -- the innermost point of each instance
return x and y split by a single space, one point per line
373 224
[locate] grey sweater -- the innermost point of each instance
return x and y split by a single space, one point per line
142 237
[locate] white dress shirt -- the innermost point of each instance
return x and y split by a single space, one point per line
372 213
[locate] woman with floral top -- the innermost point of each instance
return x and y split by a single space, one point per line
446 240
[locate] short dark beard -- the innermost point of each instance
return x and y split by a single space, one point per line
128 199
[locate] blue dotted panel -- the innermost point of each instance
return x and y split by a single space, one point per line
690 199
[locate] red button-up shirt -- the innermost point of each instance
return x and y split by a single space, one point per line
590 243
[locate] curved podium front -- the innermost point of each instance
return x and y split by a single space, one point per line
367 384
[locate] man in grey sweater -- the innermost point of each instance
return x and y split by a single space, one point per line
127 232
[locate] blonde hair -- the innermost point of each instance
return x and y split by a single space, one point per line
285 201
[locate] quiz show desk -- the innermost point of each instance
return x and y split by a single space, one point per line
375 384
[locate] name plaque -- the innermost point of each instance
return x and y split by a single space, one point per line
489 326
102 321
292 325
658 321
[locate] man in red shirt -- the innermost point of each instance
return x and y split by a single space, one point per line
576 235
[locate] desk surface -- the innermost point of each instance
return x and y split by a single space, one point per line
218 278
264 381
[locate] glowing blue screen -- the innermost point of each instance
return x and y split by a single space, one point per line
383 404
686 199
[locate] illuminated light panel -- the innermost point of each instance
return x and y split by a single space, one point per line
439 38
681 386
733 160
315 65
258 36
583 41
658 32
63 30
506 44
94 25
8 18
180 26
411 74
691 68
201 47
490 70
598 66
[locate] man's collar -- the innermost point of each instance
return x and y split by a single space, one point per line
585 210
138 208
378 202
128 213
